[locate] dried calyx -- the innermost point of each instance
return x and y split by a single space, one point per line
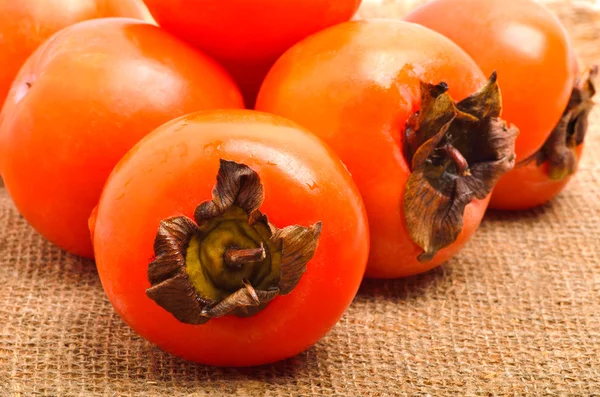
231 260
559 148
457 152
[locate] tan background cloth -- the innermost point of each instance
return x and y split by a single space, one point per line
517 313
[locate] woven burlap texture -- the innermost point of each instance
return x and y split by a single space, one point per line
516 313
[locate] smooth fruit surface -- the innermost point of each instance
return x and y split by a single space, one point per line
248 36
356 85
81 101
172 170
525 44
543 176
25 24
528 186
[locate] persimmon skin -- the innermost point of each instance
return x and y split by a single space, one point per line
355 85
245 36
26 24
528 186
172 170
81 101
525 44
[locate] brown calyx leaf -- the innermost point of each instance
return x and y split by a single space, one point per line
458 151
169 247
570 131
243 302
177 296
425 130
298 247
187 282
237 184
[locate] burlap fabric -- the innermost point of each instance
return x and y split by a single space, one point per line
517 313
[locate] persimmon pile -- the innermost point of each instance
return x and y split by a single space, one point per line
236 170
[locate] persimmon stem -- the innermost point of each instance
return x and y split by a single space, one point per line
461 163
204 267
235 258
462 149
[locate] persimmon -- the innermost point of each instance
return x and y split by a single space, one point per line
26 24
541 177
416 123
246 36
84 98
231 238
525 44
543 93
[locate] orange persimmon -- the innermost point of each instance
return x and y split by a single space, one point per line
543 93
412 117
84 98
247 36
25 24
231 238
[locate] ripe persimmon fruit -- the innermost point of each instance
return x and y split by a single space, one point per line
84 98
416 123
231 238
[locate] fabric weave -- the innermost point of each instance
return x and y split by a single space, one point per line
516 313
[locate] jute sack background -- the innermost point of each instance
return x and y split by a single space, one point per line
517 313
